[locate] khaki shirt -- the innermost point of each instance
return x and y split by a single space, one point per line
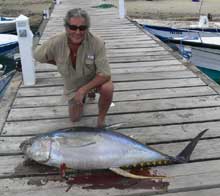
91 59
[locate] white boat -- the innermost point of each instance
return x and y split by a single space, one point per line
202 29
7 24
200 45
8 44
205 53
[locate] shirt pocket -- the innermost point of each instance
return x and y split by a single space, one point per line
89 68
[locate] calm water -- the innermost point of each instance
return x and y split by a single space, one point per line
8 63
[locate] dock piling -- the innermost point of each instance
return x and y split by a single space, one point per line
25 40
121 8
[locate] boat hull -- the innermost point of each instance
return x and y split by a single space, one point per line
7 25
206 57
8 44
167 33
5 49
198 45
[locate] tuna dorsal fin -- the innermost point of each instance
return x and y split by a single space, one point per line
124 173
184 156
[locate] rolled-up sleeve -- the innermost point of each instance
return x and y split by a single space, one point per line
101 61
44 53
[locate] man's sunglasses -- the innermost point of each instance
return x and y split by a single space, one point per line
74 27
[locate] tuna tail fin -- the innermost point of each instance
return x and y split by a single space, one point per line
184 156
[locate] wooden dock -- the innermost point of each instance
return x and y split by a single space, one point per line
161 100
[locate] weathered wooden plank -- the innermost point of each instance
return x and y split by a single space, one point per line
53 78
132 120
132 44
7 100
128 56
49 99
135 38
118 108
153 57
193 176
125 28
106 37
10 145
172 83
151 72
147 64
163 133
120 86
113 34
135 51
166 63
209 192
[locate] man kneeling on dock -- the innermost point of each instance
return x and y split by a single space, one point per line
81 59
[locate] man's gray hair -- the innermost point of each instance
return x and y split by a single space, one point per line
77 12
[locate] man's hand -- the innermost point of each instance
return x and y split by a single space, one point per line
83 90
79 96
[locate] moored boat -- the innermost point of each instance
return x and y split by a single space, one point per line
191 32
7 24
200 45
8 44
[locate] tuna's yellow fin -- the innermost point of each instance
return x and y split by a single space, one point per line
124 173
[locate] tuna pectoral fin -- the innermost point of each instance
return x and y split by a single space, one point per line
124 173
184 156
114 126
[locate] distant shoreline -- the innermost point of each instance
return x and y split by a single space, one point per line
178 10
30 8
183 10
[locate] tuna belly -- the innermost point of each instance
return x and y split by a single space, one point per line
94 155
101 155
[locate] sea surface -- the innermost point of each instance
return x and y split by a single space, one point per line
8 67
8 64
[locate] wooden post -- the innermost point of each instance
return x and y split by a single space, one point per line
57 2
121 8
46 14
25 40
